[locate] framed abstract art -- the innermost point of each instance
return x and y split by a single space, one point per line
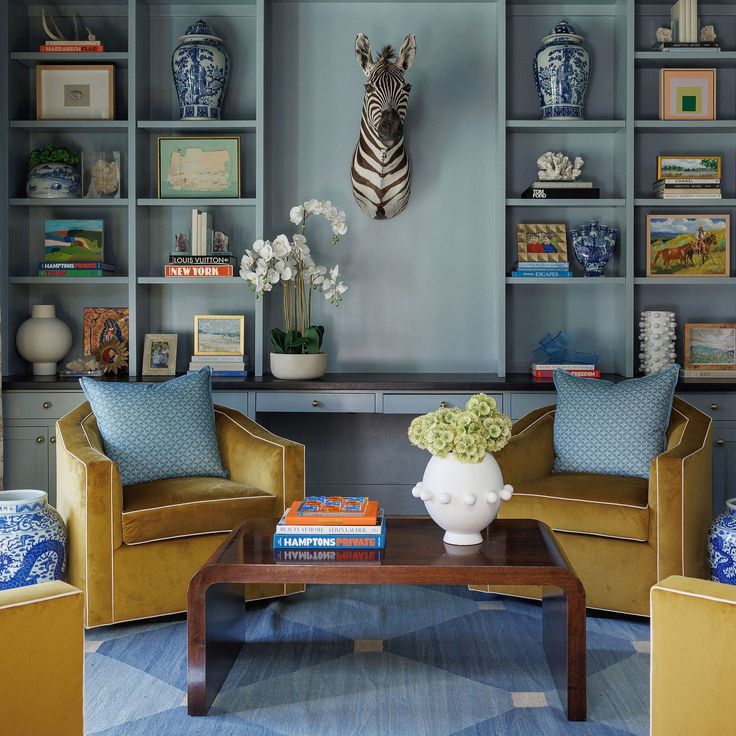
687 94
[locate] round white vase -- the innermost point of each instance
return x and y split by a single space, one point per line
297 367
462 498
43 340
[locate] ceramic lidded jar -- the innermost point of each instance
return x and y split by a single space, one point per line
201 67
561 72
43 339
722 545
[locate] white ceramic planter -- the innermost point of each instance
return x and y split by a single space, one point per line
462 498
43 339
298 367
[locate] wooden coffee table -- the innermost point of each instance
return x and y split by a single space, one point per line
514 552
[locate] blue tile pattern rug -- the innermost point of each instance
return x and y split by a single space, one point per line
364 660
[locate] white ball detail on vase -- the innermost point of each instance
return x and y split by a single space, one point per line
656 341
53 181
43 339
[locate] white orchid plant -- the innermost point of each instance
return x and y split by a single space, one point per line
290 263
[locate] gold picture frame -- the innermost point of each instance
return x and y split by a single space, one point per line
710 347
541 243
75 92
159 354
219 334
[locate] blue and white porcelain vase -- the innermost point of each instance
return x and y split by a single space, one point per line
53 181
593 245
33 547
201 68
561 72
722 546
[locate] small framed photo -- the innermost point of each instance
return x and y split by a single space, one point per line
541 243
691 168
687 94
198 167
159 355
710 347
219 334
75 92
688 245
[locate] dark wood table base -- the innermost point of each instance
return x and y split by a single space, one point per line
514 552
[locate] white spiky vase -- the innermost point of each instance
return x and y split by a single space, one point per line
462 498
656 341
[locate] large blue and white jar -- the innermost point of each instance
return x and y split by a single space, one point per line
561 71
33 542
722 545
53 181
201 69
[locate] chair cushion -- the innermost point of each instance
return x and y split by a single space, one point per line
186 507
157 430
586 503
612 428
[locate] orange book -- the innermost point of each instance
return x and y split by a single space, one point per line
367 518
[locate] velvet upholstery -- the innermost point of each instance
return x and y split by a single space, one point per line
621 534
692 664
41 677
124 575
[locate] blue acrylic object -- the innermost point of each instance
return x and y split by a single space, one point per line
722 546
554 349
593 245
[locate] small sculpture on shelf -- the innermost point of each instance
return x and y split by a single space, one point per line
557 179
708 34
57 35
559 167
101 174
656 341
593 245
555 350
53 173
663 35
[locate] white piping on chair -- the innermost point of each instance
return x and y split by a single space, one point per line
537 420
688 594
179 536
596 534
192 503
580 500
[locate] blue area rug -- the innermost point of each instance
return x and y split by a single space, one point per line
384 660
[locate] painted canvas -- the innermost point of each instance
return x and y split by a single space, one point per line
710 347
219 334
687 94
73 241
688 245
688 167
543 243
104 324
199 167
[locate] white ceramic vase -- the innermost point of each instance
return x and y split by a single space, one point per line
656 341
43 340
298 367
462 498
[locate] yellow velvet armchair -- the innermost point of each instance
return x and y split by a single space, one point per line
133 549
41 678
621 534
693 667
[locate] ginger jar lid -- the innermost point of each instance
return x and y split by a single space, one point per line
200 30
563 31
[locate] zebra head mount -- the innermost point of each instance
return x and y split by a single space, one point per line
380 171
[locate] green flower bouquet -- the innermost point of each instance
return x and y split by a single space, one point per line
468 434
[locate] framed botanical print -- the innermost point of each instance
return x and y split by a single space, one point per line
687 94
219 334
159 355
75 92
543 243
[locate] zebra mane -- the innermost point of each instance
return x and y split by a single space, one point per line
387 53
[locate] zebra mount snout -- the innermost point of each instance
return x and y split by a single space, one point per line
390 129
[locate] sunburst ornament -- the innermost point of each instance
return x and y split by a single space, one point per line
113 356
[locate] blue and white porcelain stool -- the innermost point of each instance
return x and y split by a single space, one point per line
722 545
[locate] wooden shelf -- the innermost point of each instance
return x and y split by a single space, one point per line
67 202
31 58
684 280
173 280
68 280
204 202
565 126
518 202
62 126
684 204
694 57
573 281
222 126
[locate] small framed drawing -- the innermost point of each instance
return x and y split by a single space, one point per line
687 94
688 245
159 355
219 334
199 167
710 348
543 243
75 92
691 168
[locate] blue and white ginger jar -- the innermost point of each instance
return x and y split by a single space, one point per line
722 545
201 69
33 546
561 72
593 245
53 180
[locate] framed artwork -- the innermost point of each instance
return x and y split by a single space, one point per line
75 92
199 167
159 355
688 167
687 94
75 241
104 324
688 245
543 243
219 334
710 347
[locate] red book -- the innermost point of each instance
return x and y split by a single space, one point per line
195 272
367 518
71 47
582 374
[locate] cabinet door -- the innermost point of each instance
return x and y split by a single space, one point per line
724 466
26 458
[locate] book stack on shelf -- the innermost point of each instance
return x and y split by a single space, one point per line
544 372
686 32
74 248
84 47
205 254
222 366
339 528
535 269
688 177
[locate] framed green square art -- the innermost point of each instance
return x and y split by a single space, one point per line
207 167
687 94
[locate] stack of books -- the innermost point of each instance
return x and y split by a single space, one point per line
350 528
542 270
545 371
222 366
85 47
220 265
685 25
562 190
69 269
684 188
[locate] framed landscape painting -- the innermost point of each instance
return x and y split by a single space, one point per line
219 334
689 167
688 245
543 243
73 241
710 347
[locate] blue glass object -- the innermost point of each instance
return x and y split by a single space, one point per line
554 349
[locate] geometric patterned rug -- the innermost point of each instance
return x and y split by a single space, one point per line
384 660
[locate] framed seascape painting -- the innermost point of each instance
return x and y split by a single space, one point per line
543 243
159 355
687 94
710 347
688 245
219 334
691 168
199 167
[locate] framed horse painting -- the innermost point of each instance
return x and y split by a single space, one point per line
688 245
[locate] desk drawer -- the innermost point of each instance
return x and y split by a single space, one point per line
232 400
523 403
423 403
40 404
721 407
317 402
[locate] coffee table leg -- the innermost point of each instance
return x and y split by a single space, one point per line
216 632
563 634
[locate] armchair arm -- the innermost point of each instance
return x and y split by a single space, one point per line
692 672
41 679
530 452
254 456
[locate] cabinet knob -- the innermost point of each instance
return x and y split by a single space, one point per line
52 440
46 404
39 440
443 405
315 402
720 442
714 406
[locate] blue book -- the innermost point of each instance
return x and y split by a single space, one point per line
226 374
540 266
542 274
331 541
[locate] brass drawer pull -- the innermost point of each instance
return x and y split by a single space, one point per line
720 442
52 440
315 403
714 406
39 440
46 404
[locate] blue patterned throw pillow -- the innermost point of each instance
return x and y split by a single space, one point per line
612 428
158 430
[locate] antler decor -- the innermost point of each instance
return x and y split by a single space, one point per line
56 34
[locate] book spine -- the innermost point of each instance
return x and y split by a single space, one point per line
84 273
708 374
198 271
201 260
295 529
217 359
328 555
688 183
562 185
542 274
216 367
207 245
70 48
542 266
562 366
683 195
329 541
580 374
195 232
559 193
75 266
224 374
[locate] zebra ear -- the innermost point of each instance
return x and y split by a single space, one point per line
363 52
407 52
